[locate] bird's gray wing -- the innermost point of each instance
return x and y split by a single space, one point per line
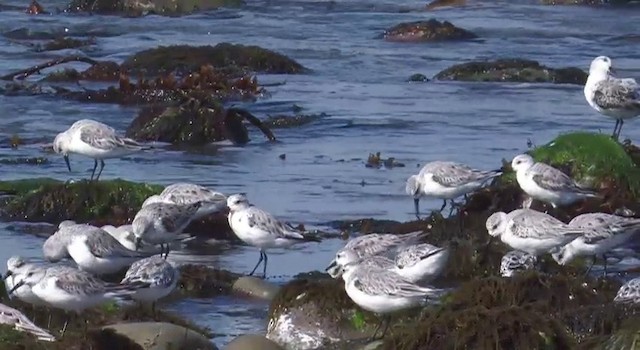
412 254
79 283
148 272
533 224
552 179
262 220
104 137
103 245
616 93
451 174
383 282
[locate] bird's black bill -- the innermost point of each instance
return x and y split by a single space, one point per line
6 275
66 160
333 264
18 285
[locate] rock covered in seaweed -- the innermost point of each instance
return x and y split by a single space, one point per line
431 30
512 70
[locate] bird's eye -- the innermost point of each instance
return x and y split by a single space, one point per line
495 227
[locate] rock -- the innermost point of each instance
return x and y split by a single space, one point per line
101 71
255 287
144 7
185 59
46 200
431 30
252 342
418 78
193 123
512 70
285 121
66 43
313 314
199 281
162 336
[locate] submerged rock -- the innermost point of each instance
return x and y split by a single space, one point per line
144 7
431 30
436 4
255 287
512 70
252 342
313 314
161 336
184 59
585 2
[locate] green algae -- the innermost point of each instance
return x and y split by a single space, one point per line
45 200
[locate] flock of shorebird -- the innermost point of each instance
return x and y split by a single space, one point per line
382 272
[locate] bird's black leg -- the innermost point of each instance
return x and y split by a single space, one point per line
264 269
593 262
101 167
619 129
444 205
387 320
416 205
258 264
605 264
95 166
373 337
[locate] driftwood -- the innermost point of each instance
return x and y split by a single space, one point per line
23 73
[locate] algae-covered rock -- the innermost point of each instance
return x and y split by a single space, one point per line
45 200
595 160
144 7
512 70
312 314
252 342
503 313
184 59
431 30
194 124
199 281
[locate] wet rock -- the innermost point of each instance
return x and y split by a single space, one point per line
66 43
285 121
46 200
376 161
134 8
35 9
313 314
199 281
237 58
193 123
214 226
101 71
255 287
252 342
418 78
512 70
431 30
161 336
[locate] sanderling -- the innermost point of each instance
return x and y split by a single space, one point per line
260 229
447 181
515 261
546 183
16 265
20 322
421 262
531 231
186 194
610 96
369 245
383 291
70 289
94 140
162 223
152 278
629 293
607 233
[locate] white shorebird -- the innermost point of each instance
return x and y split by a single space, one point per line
531 231
94 140
383 291
415 263
16 265
187 194
163 223
260 229
629 293
370 245
608 233
20 322
447 181
93 249
515 261
546 183
610 96
70 289
152 278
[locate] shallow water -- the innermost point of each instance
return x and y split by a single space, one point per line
359 81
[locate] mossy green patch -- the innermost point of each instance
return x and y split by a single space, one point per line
592 158
112 201
23 186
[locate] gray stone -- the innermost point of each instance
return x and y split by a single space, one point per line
255 287
252 342
162 336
